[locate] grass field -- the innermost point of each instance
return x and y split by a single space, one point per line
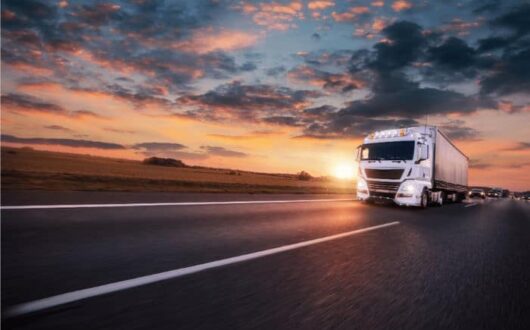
27 169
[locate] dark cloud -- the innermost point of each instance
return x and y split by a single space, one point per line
246 102
139 35
248 66
335 82
159 146
515 22
516 19
320 112
405 43
487 6
457 130
492 43
139 95
453 54
275 71
168 150
479 165
282 120
22 103
395 95
342 125
175 154
58 128
174 150
336 58
63 142
220 151
30 102
510 75
119 130
520 146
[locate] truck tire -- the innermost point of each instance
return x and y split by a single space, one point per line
424 202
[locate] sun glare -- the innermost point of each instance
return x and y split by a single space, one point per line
344 171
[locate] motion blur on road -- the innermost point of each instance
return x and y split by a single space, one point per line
463 266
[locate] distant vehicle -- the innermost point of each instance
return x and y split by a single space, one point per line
495 193
413 166
526 196
475 192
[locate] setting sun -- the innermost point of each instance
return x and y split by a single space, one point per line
344 171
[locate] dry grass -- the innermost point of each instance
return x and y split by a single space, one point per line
44 170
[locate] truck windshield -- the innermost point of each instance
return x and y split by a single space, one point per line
401 150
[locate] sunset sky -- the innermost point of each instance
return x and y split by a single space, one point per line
278 86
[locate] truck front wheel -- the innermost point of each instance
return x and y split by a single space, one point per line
424 202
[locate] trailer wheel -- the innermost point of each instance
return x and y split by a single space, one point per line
441 199
424 199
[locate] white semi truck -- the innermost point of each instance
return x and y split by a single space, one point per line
415 166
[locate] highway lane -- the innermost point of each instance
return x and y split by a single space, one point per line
454 266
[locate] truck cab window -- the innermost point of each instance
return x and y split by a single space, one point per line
400 150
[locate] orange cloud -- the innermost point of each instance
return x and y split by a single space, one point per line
350 14
31 69
509 107
400 5
207 40
320 4
378 3
370 30
274 15
337 82
378 24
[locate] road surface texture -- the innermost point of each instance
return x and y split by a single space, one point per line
460 266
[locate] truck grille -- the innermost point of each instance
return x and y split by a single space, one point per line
388 187
384 174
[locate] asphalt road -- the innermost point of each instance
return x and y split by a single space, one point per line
461 266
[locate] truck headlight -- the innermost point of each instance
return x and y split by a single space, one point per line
407 190
362 187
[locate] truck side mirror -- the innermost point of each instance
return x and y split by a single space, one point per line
358 153
423 153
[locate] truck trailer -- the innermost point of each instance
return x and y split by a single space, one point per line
414 166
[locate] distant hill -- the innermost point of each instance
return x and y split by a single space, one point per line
164 162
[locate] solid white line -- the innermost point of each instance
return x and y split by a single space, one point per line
76 206
65 298
469 205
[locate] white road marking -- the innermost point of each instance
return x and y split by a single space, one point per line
472 204
65 298
78 206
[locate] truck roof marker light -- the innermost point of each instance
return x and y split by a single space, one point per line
388 133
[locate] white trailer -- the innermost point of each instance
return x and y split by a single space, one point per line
414 166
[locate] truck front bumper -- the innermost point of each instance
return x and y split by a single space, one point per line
408 201
408 194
